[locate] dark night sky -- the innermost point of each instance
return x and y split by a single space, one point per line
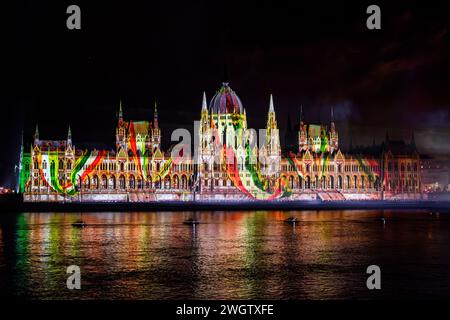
317 55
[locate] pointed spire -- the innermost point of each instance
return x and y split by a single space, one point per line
36 134
155 117
204 104
120 110
332 114
301 113
69 137
271 108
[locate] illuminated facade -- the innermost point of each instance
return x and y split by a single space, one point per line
230 162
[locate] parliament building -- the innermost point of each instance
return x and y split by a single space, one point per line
230 162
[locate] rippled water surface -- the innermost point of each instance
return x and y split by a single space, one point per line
230 255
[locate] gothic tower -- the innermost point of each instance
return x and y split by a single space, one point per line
273 149
156 132
334 138
120 131
302 136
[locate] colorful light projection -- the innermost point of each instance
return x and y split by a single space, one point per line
49 167
370 167
140 156
293 161
257 187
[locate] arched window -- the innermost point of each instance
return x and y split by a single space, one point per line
167 182
184 183
291 182
122 181
104 182
112 182
95 183
176 182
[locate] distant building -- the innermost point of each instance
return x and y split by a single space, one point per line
435 174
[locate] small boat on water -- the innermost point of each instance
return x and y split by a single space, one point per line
291 220
191 221
382 220
79 224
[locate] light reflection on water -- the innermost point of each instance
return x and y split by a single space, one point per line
231 255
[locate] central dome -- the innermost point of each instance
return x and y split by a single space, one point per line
226 101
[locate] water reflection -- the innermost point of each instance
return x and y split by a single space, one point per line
230 255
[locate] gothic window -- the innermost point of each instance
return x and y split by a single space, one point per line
122 181
131 182
167 182
104 182
176 182
112 182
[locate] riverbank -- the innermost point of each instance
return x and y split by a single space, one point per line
15 204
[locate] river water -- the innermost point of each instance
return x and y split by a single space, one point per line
230 255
